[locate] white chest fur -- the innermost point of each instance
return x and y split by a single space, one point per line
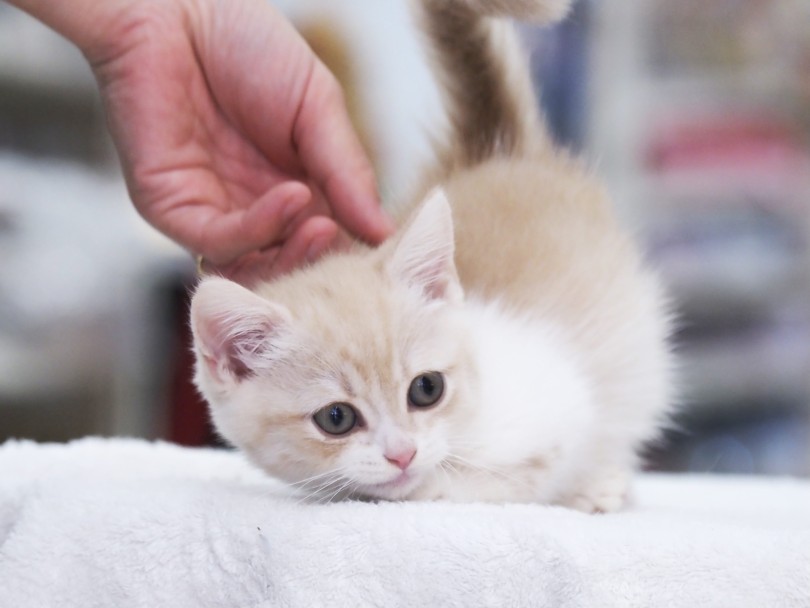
535 411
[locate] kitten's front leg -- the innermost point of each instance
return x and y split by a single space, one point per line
467 486
603 491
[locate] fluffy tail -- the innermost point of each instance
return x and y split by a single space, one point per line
487 87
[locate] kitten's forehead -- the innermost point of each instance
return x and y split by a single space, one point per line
369 333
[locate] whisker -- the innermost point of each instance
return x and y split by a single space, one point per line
320 485
315 492
304 482
346 484
489 470
446 468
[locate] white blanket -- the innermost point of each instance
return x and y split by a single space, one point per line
120 523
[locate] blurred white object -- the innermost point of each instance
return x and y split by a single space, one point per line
397 87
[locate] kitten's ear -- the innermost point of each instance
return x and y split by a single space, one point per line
235 331
423 254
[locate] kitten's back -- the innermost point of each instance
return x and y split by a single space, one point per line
534 230
526 214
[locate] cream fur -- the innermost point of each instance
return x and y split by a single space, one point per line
511 278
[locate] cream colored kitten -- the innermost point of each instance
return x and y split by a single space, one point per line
507 345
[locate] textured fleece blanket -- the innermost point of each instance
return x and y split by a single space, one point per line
123 523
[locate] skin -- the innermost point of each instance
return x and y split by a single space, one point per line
234 139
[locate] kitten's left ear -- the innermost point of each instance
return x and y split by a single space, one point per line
423 255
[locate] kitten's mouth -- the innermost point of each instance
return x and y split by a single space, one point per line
401 482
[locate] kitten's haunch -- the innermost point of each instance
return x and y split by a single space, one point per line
508 344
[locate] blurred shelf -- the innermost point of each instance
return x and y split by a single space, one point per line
699 117
765 368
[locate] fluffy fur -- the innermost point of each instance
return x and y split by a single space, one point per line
510 277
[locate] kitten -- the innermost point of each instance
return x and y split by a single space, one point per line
508 344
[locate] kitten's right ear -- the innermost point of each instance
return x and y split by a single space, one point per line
423 255
235 330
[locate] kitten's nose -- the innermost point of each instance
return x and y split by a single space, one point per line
401 458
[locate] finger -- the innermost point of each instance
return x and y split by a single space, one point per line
228 236
332 154
342 242
310 241
249 269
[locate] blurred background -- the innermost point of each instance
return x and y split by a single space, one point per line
696 113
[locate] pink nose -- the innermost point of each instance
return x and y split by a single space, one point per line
401 459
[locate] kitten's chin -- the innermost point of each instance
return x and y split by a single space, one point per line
398 488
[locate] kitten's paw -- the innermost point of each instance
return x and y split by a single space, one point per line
603 493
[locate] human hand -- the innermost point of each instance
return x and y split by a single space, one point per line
233 137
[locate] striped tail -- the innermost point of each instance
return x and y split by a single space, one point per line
486 83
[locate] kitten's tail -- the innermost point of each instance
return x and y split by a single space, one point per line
487 88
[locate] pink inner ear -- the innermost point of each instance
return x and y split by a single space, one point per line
234 346
435 277
236 331
240 350
212 363
238 367
423 257
240 353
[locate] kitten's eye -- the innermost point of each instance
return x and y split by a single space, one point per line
426 389
336 419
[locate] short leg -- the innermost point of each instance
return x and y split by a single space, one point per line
602 492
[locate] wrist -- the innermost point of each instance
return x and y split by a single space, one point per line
98 27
